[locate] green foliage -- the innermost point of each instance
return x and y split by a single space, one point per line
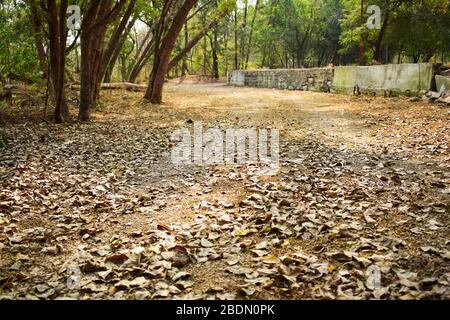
424 27
296 33
415 28
266 34
146 13
18 56
311 33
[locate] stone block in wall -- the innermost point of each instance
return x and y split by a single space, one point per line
315 79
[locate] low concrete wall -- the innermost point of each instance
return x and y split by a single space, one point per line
236 78
315 79
408 79
442 81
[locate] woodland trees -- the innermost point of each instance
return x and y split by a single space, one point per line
414 30
54 14
98 14
149 41
164 44
19 57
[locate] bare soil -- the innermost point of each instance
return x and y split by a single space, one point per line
363 182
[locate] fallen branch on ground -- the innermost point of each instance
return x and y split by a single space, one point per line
10 90
117 86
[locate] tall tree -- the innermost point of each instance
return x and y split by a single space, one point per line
115 43
250 37
98 15
236 41
57 33
193 42
164 47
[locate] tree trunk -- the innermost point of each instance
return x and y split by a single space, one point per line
243 33
186 42
215 59
108 75
37 33
57 31
162 54
93 31
115 43
428 56
362 59
247 57
149 50
195 40
236 57
225 44
264 50
378 44
140 54
117 51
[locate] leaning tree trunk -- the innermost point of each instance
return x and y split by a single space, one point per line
156 83
247 57
236 50
117 51
137 68
93 31
379 42
38 41
143 52
115 43
191 43
243 34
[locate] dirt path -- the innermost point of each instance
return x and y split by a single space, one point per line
359 208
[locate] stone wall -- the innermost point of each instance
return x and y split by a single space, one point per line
405 79
315 79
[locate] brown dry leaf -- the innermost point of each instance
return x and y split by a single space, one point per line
270 260
118 258
361 182
206 243
245 232
180 275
